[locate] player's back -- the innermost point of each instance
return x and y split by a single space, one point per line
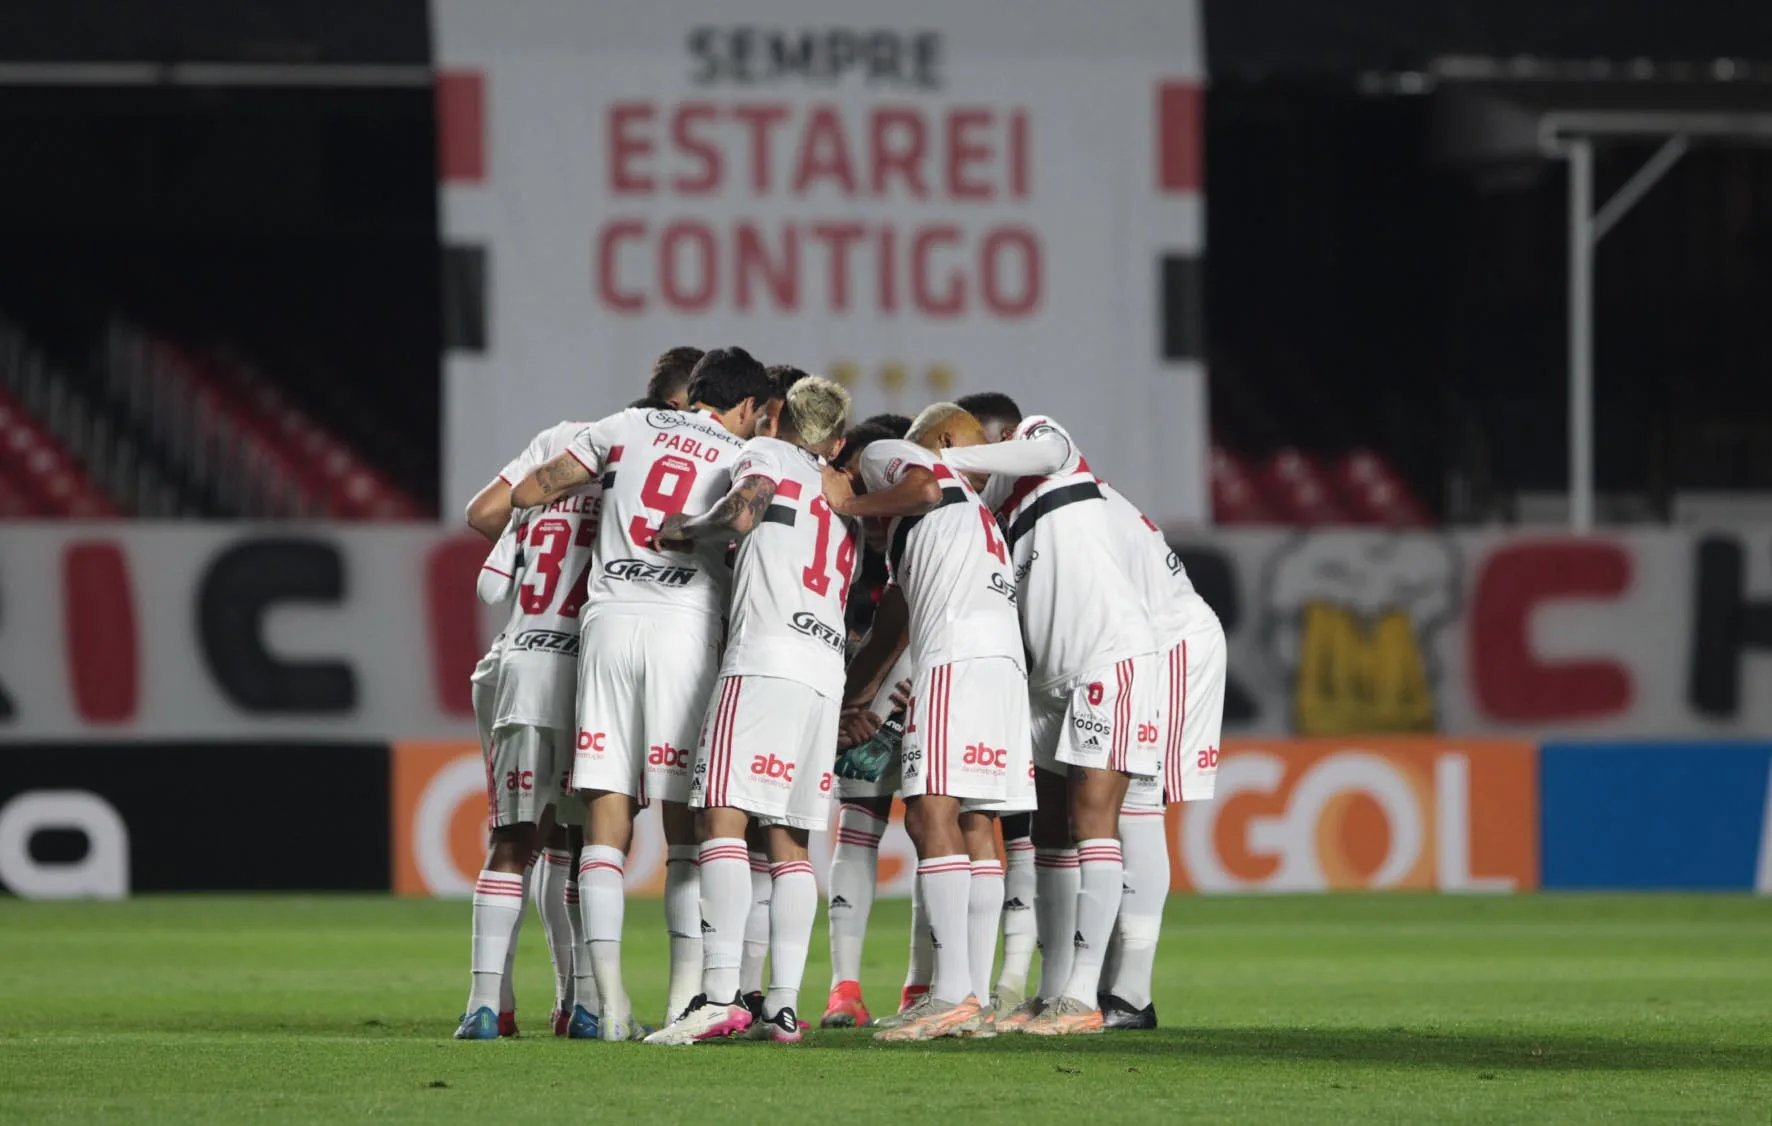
552 566
1078 608
1156 571
791 578
951 563
654 463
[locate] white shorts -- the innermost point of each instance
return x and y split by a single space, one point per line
642 686
525 771
766 747
1111 720
1193 693
971 753
537 688
887 784
484 693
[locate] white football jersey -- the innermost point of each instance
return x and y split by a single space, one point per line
1078 608
539 668
791 580
1157 574
951 563
652 464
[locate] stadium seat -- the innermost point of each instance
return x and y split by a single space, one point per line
41 472
1235 499
1374 492
1298 489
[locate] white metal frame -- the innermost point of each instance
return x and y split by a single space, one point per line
1570 136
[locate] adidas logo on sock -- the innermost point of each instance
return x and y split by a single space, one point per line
1126 889
706 926
1078 942
1015 905
838 901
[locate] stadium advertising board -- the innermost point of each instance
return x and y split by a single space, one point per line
101 821
1674 816
1312 815
1364 814
128 631
923 200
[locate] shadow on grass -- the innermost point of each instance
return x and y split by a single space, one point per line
1376 1046
1398 1045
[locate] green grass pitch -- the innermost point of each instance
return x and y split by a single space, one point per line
1328 1009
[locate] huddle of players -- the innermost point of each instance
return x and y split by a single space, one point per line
1074 658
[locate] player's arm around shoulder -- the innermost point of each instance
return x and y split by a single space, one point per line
910 490
738 512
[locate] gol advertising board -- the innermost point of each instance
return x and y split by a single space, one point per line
922 199
1364 814
1299 816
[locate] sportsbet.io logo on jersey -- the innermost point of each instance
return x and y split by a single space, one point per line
806 622
640 571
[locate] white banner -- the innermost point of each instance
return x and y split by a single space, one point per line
924 200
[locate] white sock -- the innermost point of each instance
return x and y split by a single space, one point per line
1133 950
984 911
756 927
946 883
1098 905
584 979
855 871
601 903
725 905
1056 879
550 902
507 996
922 965
498 907
793 904
682 895
1018 915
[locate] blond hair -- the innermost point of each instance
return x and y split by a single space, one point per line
815 408
933 418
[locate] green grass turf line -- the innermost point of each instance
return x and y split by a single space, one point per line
1407 1009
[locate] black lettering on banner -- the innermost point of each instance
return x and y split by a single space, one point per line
1215 579
1725 624
240 586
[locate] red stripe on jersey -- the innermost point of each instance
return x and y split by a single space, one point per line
507 480
589 468
495 570
1018 493
614 455
787 490
943 473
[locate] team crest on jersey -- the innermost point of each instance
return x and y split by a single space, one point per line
640 571
806 622
546 641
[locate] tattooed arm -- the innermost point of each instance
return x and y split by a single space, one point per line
736 514
550 482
